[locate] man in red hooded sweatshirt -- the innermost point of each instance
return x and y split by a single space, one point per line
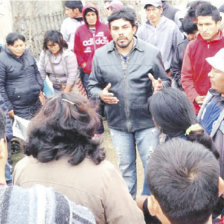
88 37
195 69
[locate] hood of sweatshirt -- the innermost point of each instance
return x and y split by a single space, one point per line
89 6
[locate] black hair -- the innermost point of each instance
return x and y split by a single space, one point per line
192 6
183 177
76 4
221 8
12 37
207 9
125 13
55 37
174 114
188 26
64 127
2 124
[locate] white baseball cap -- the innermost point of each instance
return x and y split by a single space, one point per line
217 61
155 3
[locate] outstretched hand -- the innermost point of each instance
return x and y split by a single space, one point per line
108 97
156 83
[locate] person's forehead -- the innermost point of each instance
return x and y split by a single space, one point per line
120 22
205 19
218 71
90 13
68 8
151 7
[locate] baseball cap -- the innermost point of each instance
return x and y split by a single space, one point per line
217 61
156 3
116 5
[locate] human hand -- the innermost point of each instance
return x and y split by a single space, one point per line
156 83
42 98
83 65
199 100
11 113
108 97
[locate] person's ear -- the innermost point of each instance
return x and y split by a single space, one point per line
221 186
134 29
153 205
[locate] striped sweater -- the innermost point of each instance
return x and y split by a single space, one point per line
40 205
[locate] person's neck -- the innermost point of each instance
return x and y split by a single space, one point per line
209 221
2 175
125 51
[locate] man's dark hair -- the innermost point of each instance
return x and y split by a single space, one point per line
192 6
74 4
183 177
2 124
55 37
188 26
64 127
12 37
207 9
125 13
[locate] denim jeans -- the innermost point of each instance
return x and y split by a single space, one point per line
8 173
125 144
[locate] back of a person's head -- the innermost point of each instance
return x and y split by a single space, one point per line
192 6
172 111
2 124
207 9
74 4
183 177
125 13
188 26
64 127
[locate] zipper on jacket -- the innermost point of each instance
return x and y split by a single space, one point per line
94 41
127 112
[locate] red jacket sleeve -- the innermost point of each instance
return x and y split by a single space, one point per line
187 76
78 48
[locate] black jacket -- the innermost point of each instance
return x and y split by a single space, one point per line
20 83
130 85
177 61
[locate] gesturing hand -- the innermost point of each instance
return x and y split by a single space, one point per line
156 83
108 97
199 100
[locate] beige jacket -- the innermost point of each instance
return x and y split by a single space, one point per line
98 187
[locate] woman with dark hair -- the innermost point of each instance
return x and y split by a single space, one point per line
20 81
174 116
62 154
58 62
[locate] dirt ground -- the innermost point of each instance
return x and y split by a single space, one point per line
111 156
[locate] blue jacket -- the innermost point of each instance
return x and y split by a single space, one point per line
130 85
217 133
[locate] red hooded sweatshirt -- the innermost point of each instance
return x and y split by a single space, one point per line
195 69
86 42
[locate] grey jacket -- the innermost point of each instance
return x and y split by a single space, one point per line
130 85
65 66
166 35
217 133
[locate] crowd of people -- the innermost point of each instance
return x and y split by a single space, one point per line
160 87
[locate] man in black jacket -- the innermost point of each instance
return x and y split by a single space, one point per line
190 29
120 78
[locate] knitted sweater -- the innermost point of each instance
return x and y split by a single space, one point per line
40 205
